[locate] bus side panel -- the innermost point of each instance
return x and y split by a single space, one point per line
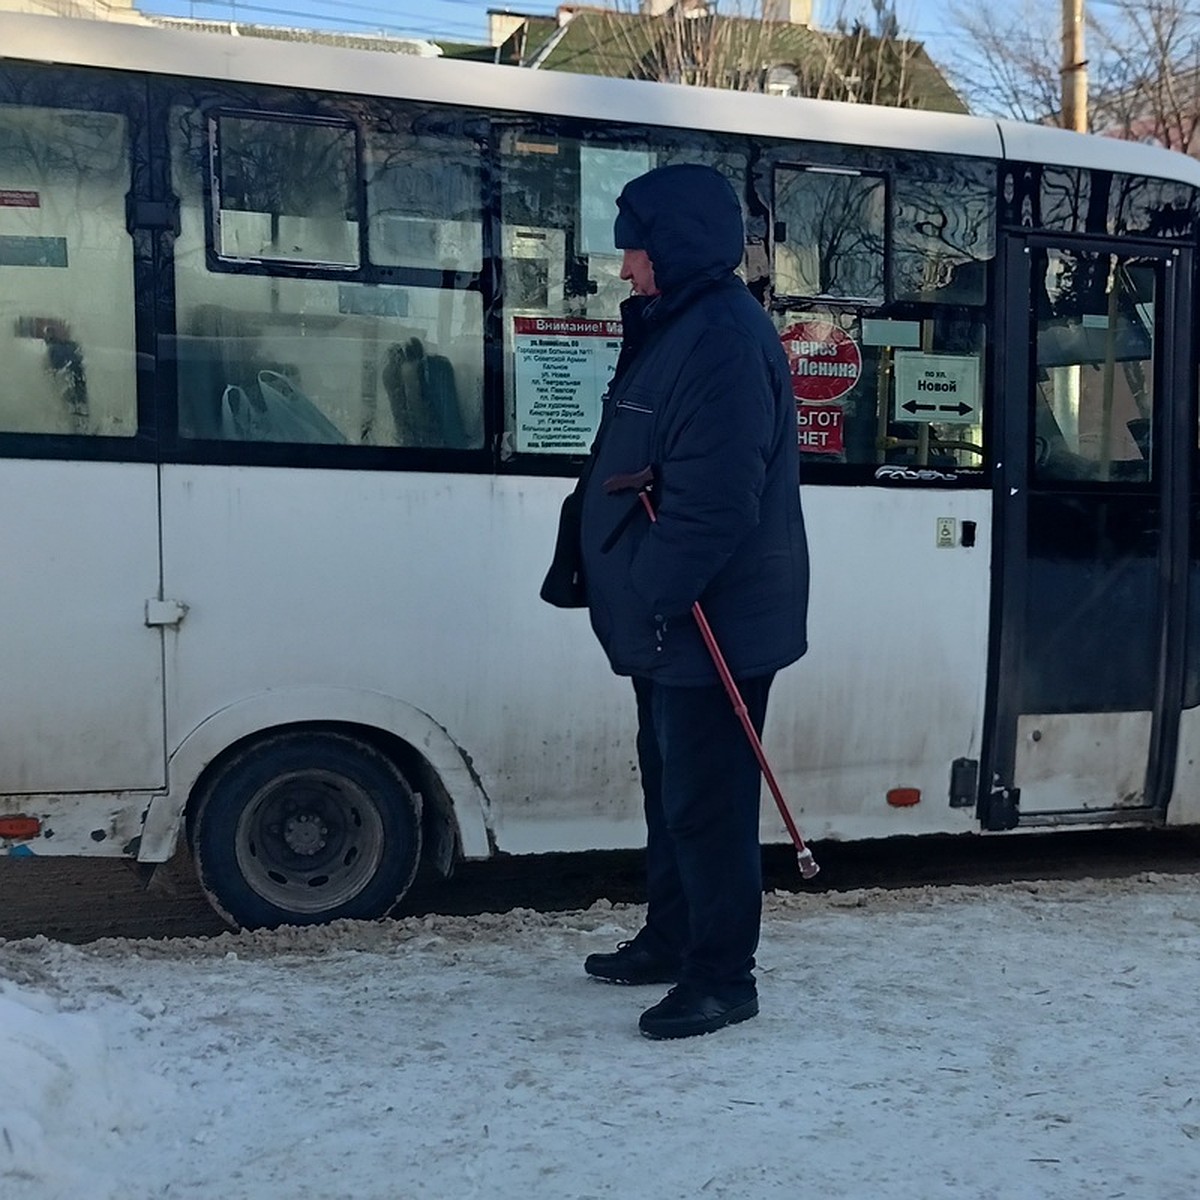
407 585
81 702
100 825
424 588
890 693
892 689
1184 808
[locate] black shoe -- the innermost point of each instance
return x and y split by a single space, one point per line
631 964
686 1011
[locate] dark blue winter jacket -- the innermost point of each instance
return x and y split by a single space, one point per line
702 396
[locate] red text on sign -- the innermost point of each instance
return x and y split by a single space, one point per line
820 428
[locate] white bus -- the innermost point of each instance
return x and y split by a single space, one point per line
300 349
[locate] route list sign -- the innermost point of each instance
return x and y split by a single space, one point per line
561 367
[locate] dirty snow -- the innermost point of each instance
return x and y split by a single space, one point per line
1026 1040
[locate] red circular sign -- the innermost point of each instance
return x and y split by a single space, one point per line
824 360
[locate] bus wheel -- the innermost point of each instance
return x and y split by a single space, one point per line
305 827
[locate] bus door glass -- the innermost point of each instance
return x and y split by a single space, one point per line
81 706
1088 612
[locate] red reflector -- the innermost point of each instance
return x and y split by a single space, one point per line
19 827
904 797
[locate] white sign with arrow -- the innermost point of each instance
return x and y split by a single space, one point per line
937 387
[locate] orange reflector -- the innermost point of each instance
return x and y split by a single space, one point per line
19 828
904 797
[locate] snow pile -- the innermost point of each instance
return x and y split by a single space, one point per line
66 1102
56 1094
1001 1043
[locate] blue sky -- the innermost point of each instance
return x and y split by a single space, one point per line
464 20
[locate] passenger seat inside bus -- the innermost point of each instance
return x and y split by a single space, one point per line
229 391
423 396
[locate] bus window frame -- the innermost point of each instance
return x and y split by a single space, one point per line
206 99
212 118
886 163
780 300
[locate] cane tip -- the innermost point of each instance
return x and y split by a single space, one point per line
808 864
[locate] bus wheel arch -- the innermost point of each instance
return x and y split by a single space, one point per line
441 840
455 813
436 764
303 825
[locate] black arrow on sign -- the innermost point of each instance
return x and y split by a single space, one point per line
913 407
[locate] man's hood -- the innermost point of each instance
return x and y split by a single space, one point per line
688 220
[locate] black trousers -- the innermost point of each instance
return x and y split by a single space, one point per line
702 782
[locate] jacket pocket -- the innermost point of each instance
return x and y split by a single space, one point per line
629 404
630 437
638 399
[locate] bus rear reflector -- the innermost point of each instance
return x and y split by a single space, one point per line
19 828
904 797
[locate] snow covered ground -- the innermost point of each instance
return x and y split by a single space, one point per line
1026 1040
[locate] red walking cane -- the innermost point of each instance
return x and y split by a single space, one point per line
804 856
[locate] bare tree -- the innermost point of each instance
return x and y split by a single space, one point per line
870 58
743 46
688 43
1151 91
1144 66
1008 62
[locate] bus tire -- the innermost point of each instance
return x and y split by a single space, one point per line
304 827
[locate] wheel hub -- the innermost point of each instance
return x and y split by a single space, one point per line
311 839
305 833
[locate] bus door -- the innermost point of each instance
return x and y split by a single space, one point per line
1091 519
81 659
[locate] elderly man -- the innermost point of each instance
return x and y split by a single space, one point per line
701 410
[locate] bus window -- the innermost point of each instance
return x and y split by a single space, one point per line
943 230
68 360
829 233
332 363
1153 207
562 284
1073 200
283 350
284 190
424 198
879 284
1094 388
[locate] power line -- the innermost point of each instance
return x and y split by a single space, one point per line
231 9
330 11
234 9
329 15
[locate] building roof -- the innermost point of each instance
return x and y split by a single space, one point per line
620 44
288 33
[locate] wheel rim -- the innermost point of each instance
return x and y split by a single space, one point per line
309 841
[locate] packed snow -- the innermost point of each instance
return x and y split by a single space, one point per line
1024 1040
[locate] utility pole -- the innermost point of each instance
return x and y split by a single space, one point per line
1074 68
